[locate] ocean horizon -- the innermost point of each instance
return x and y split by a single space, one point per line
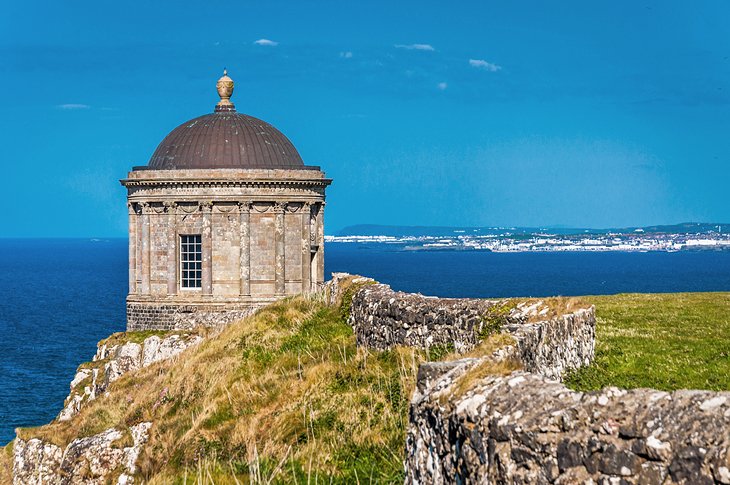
61 296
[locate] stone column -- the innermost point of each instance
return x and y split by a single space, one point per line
132 247
138 250
244 209
320 243
306 212
207 247
146 246
280 257
172 250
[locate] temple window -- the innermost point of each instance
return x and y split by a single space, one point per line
191 261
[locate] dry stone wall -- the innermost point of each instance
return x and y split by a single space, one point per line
467 426
525 428
545 343
382 318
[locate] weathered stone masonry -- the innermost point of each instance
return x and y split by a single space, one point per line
526 429
249 259
544 343
238 187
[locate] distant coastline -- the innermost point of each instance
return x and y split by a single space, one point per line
679 237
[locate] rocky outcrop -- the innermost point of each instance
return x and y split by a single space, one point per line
525 428
112 361
94 460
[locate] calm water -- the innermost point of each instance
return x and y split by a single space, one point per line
59 297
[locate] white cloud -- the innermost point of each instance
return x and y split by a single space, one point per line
482 64
442 86
70 106
416 47
266 42
346 55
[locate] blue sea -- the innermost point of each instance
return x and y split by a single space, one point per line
61 296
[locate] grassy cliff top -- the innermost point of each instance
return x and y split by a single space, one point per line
662 341
286 396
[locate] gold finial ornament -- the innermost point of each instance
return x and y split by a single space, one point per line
225 91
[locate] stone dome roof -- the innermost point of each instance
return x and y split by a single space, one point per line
225 139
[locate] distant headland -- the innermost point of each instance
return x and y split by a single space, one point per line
675 237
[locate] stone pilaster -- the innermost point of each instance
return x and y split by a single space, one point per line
279 247
244 209
320 244
207 246
306 214
172 249
132 247
146 248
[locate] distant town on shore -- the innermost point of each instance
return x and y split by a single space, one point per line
668 238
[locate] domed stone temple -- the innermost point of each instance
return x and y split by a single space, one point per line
224 218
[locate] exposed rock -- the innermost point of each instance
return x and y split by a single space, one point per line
428 372
383 318
157 349
35 462
94 460
128 357
112 362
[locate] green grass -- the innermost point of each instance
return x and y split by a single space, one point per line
140 336
662 341
286 396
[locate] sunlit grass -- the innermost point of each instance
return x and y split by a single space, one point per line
663 341
285 396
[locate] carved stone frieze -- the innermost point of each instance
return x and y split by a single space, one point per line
188 208
294 207
170 206
206 206
158 208
262 207
225 207
244 206
145 207
183 192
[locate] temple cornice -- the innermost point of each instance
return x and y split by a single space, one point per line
224 183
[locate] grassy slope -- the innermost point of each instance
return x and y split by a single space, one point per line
662 341
287 395
284 394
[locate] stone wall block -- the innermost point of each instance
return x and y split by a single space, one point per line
532 429
382 318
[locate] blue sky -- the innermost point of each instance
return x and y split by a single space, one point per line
425 113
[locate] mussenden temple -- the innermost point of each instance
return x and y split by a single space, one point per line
223 219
